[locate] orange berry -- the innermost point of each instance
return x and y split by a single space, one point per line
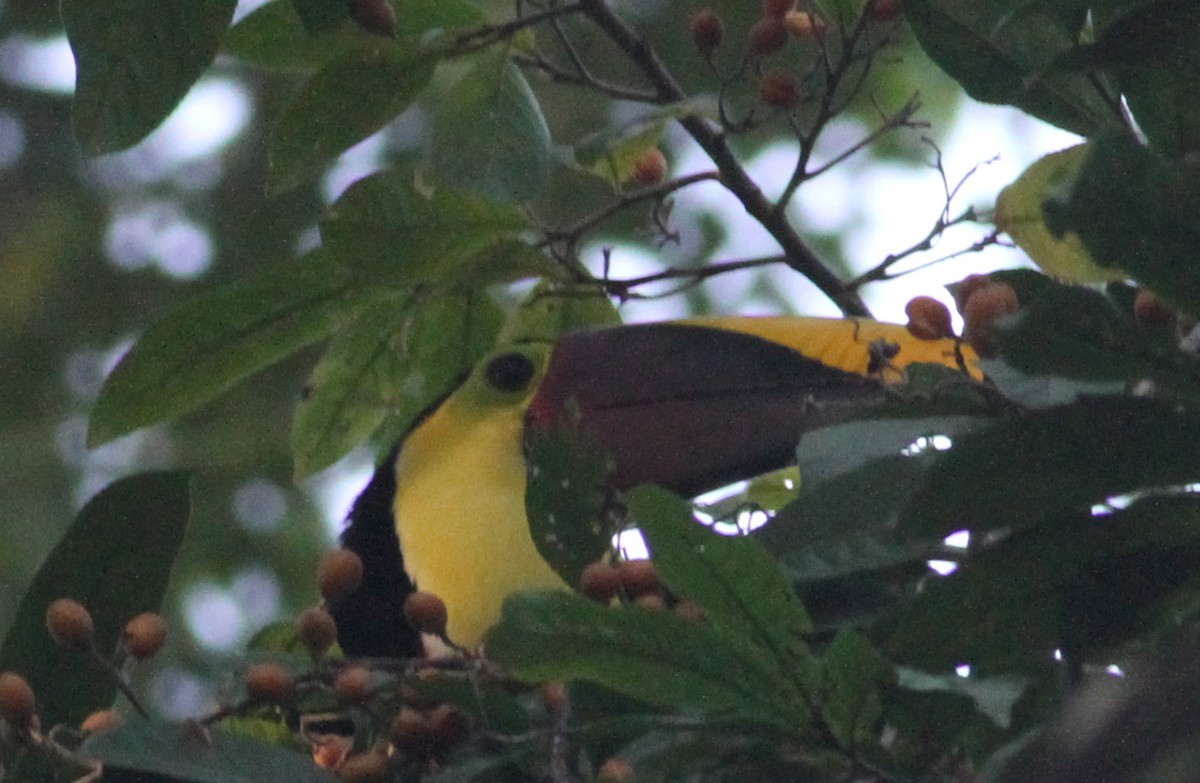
776 7
650 168
426 612
450 726
17 705
615 770
962 290
707 31
651 602
269 682
412 734
353 684
803 24
639 577
70 624
316 630
374 16
365 767
338 574
101 721
928 319
779 89
554 697
600 582
1152 312
985 306
884 10
768 35
144 635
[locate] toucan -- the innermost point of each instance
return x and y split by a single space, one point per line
689 405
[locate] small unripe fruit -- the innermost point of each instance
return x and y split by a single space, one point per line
412 734
144 636
316 630
269 682
411 696
804 25
707 31
615 770
374 16
101 721
884 10
339 574
553 695
776 7
985 306
639 577
17 705
779 89
651 602
768 35
1152 312
70 624
600 582
650 168
962 290
450 726
426 612
353 684
928 319
365 767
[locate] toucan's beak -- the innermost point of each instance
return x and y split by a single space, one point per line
688 407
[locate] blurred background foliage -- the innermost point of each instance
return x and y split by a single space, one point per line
92 251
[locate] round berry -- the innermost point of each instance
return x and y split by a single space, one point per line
804 24
101 721
339 574
962 290
144 635
374 16
985 306
768 35
412 734
450 726
600 582
639 577
17 705
707 31
1152 312
316 630
779 89
426 612
366 767
776 7
615 770
928 319
884 10
269 682
554 697
70 624
353 684
650 168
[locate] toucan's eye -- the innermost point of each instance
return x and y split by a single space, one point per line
510 372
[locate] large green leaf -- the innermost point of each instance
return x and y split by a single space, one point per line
385 228
1136 211
191 753
394 361
1078 585
1055 462
1000 56
135 60
219 338
272 36
653 656
116 560
489 135
320 16
738 584
351 97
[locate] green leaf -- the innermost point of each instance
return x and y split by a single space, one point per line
653 656
350 98
1019 214
1136 211
219 338
384 228
1079 585
272 36
1063 459
553 309
854 676
489 135
738 584
189 752
417 18
320 16
610 153
134 61
392 363
999 56
115 559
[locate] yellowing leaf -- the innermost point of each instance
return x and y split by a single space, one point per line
1019 214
